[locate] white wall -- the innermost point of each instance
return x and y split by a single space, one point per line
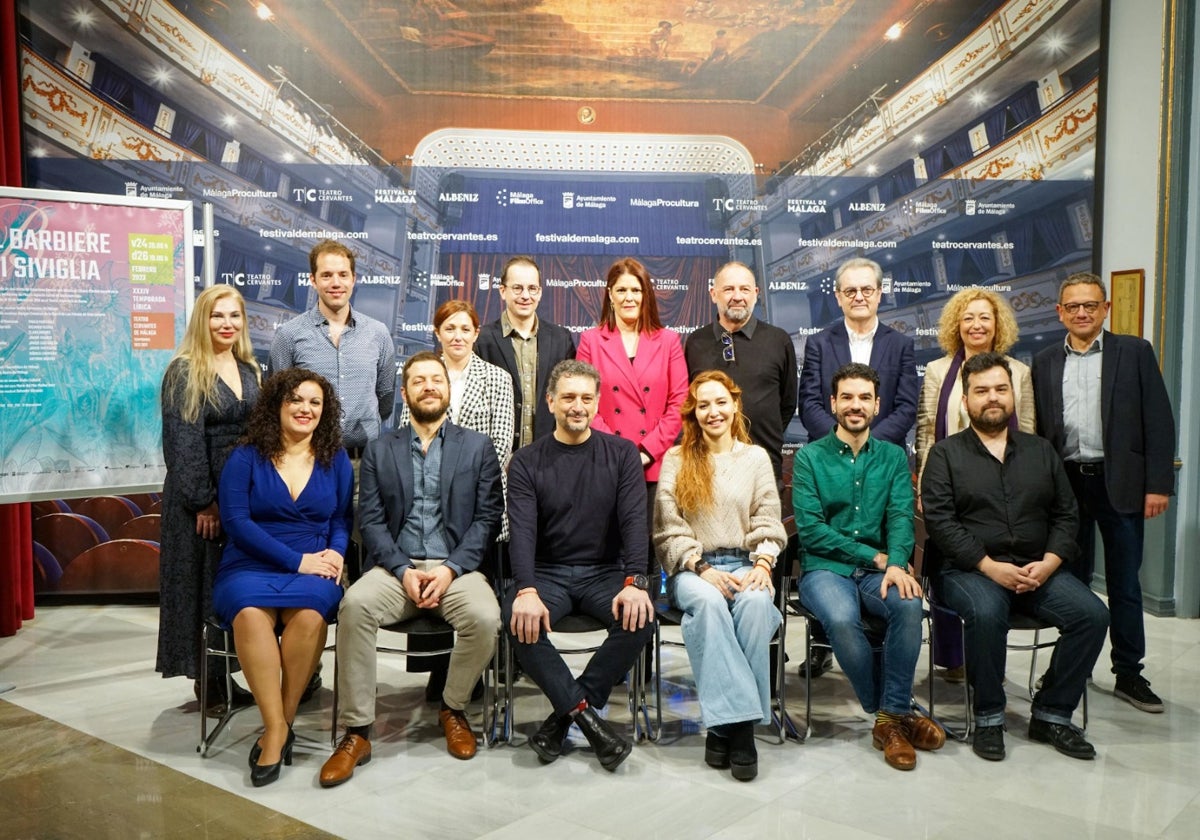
1132 142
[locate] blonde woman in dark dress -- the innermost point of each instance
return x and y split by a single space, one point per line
207 393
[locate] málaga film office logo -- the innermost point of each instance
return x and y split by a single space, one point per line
511 198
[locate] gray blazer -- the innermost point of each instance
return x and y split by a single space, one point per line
472 502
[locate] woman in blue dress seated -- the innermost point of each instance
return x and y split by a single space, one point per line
286 508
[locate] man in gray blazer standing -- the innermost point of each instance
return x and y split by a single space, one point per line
1102 402
430 506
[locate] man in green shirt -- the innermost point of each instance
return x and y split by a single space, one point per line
854 516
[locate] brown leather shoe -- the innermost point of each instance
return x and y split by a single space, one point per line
352 751
923 733
890 737
460 740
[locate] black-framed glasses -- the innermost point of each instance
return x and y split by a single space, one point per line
727 348
1089 307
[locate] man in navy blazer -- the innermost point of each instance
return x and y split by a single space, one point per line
860 337
525 345
1118 445
430 505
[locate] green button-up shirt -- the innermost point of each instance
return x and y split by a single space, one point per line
851 507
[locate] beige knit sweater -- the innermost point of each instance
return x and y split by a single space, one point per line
744 514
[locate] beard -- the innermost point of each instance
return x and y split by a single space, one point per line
992 419
429 415
845 419
737 314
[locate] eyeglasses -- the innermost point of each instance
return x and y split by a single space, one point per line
727 348
867 292
1089 307
519 291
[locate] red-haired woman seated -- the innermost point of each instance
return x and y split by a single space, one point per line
718 533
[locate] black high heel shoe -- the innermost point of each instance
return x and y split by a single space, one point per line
264 774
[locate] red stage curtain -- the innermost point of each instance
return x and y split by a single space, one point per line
16 532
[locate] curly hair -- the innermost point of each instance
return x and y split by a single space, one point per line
949 330
693 485
197 369
264 432
648 320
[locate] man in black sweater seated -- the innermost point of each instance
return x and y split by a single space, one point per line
577 519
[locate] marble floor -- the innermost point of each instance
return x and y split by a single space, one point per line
93 744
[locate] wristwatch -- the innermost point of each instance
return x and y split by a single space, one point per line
638 582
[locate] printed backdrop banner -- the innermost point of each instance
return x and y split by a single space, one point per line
617 216
93 290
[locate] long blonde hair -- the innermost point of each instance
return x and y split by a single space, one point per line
693 485
196 360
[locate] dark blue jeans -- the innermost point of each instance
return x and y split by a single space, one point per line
578 589
883 683
1062 601
1122 535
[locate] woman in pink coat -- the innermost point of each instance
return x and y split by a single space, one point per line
643 376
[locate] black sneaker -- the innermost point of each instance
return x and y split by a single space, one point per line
1134 689
1063 737
989 742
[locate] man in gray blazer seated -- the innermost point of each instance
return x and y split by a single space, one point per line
526 346
430 505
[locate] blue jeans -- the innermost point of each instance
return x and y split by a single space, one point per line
1122 535
588 590
1062 601
883 684
728 642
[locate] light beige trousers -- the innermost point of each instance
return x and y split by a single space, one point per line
378 598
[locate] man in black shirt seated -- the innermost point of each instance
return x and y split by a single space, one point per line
1000 509
577 519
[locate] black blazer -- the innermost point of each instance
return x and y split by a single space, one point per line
554 345
472 502
1135 413
892 358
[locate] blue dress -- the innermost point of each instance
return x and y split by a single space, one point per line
268 533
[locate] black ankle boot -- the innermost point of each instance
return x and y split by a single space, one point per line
610 747
716 749
548 740
743 755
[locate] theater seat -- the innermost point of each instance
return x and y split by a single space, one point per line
116 566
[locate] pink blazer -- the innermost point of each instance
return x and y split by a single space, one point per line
639 401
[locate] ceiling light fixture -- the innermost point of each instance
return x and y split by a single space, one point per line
894 32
